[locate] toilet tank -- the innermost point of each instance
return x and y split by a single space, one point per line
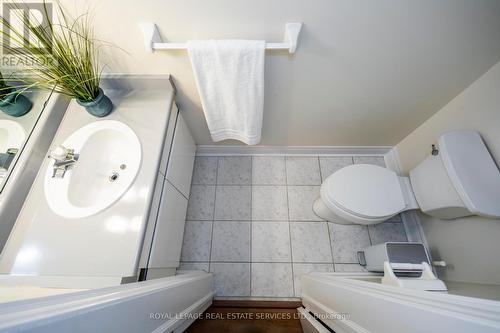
461 180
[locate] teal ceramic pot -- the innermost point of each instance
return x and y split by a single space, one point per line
100 107
15 105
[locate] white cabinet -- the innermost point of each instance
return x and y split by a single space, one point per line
167 240
167 146
163 238
180 164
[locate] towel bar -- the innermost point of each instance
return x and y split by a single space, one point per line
153 41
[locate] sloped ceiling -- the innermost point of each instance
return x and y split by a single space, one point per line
365 73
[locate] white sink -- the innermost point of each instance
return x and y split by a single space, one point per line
12 135
109 160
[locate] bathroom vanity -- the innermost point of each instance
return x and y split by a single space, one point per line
120 208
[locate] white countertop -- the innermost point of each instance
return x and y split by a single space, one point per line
107 244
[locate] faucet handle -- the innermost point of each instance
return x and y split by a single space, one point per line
12 151
59 153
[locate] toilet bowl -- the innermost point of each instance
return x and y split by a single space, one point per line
364 194
460 178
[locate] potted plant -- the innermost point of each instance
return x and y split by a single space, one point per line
68 63
11 101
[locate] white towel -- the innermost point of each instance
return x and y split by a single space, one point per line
230 79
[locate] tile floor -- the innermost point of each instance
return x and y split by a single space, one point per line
250 222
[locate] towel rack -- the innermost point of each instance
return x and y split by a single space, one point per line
153 41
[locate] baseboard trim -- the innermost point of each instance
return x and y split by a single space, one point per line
219 150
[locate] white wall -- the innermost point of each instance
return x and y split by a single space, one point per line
470 246
366 72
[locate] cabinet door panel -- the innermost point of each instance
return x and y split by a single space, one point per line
153 215
169 231
169 136
181 161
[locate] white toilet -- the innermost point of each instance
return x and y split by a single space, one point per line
459 179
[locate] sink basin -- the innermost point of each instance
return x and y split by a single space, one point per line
12 135
109 160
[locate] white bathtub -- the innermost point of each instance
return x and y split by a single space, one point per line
359 303
168 304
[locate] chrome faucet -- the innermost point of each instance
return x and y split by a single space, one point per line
63 158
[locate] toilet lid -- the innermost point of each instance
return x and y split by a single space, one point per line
365 190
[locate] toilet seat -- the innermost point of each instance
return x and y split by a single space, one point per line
364 190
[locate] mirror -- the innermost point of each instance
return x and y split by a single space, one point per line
15 132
